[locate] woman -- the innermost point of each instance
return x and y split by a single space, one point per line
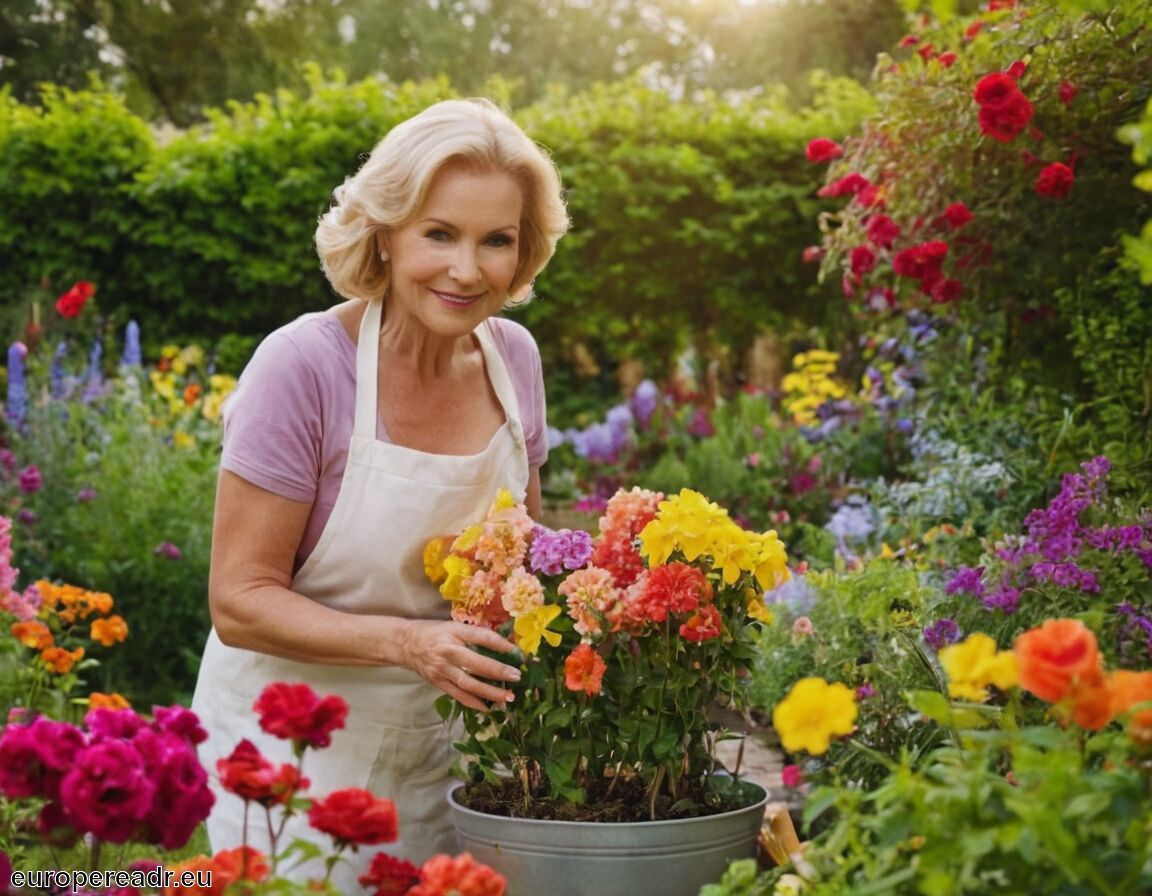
359 433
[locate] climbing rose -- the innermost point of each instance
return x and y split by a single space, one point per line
1068 92
1055 181
1004 110
823 150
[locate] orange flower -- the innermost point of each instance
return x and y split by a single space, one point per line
584 670
242 863
1053 658
1091 698
209 876
59 660
191 394
1129 689
34 634
109 631
98 700
71 603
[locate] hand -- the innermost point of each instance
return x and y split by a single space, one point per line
441 653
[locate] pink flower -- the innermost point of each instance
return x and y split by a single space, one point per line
34 758
791 776
862 260
1055 181
167 549
812 254
802 627
823 150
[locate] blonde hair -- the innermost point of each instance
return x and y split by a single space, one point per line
391 186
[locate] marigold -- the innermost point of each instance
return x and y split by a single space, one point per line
61 661
1053 657
112 630
812 713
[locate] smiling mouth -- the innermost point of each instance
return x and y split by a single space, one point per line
455 299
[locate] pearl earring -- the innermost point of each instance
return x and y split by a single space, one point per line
383 255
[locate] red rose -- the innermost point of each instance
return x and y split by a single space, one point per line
995 88
909 40
972 30
1055 180
1017 69
882 231
862 260
849 184
390 876
71 303
1068 92
956 215
946 290
1005 121
823 150
250 776
294 712
947 60
355 815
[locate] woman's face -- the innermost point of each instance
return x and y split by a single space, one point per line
453 263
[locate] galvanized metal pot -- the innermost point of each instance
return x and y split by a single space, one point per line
644 858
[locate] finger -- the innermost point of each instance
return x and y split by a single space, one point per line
475 694
487 667
485 637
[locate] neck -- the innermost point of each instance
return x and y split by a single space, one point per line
408 345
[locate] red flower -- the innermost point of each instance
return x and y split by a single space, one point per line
390 876
882 231
250 776
1017 69
294 712
909 40
442 875
823 150
675 587
1004 110
946 290
972 30
956 215
849 184
242 863
702 625
71 303
355 815
994 5
1055 180
871 196
862 260
920 261
947 59
584 670
1068 92
812 254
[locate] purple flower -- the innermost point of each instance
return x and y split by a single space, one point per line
86 494
1005 598
17 401
941 633
27 517
643 402
619 419
552 552
167 549
132 356
31 479
865 691
968 579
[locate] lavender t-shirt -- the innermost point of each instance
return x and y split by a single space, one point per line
288 424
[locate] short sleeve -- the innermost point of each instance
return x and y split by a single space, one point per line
522 356
272 422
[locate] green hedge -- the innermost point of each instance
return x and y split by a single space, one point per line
689 215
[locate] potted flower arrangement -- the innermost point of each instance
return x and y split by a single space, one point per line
631 642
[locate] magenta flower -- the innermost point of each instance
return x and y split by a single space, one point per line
35 757
169 550
107 791
180 721
791 776
31 479
182 797
85 495
553 552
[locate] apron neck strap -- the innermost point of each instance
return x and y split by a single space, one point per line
367 367
367 358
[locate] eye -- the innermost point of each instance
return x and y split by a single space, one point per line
500 240
438 235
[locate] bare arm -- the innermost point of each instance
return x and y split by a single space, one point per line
254 540
532 498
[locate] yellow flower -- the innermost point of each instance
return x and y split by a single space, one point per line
456 570
222 383
183 439
164 384
467 539
504 501
812 713
731 552
434 553
170 351
684 522
974 664
769 561
532 625
212 405
757 609
192 355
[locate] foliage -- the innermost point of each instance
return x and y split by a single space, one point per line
1139 135
122 500
952 197
625 650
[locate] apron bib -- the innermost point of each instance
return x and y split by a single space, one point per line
369 560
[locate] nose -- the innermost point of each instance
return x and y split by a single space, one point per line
465 268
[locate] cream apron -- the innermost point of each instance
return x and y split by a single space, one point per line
369 559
